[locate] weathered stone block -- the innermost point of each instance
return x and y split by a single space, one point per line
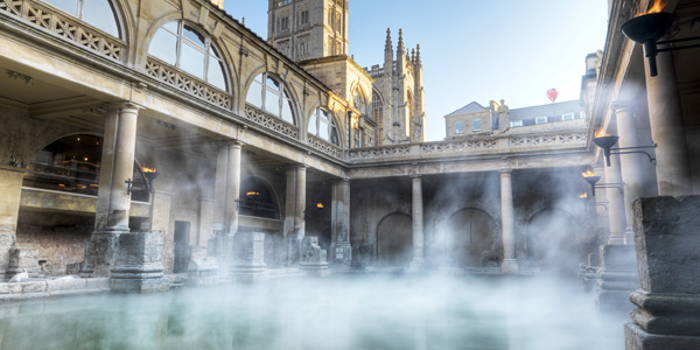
138 264
314 260
23 258
249 257
33 287
99 254
97 283
65 283
7 240
667 236
668 244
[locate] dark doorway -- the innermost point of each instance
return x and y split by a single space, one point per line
182 246
474 239
395 240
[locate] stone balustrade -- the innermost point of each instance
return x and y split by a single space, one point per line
66 27
270 122
189 84
479 145
325 147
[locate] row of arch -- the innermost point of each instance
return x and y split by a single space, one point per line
472 238
187 47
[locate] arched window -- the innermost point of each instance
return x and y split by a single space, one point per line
322 124
72 164
180 45
377 107
98 13
361 103
270 95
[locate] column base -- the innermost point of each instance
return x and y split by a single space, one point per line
510 266
617 239
138 266
249 273
342 253
99 254
617 279
249 257
638 339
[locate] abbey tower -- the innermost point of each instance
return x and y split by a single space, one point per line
388 97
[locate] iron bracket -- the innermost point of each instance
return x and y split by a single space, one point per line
635 150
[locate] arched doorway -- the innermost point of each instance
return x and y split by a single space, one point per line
395 240
474 239
551 240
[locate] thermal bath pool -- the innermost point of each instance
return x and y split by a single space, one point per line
367 312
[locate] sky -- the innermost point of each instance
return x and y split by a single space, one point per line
474 50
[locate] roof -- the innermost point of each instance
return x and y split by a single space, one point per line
552 109
473 107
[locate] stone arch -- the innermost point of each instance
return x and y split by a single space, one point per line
395 239
258 198
550 241
473 239
334 120
52 171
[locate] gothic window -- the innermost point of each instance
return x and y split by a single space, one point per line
179 44
377 107
459 127
322 124
284 24
304 17
98 13
271 95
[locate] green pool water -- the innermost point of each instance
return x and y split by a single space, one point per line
368 312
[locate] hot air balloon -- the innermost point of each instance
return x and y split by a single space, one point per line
552 94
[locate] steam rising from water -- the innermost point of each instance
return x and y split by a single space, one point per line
363 312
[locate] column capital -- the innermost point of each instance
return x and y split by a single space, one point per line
123 105
621 106
505 171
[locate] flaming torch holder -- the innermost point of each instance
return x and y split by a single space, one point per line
607 142
647 29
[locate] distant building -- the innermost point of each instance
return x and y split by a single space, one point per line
477 119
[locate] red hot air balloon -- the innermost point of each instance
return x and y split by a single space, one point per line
552 94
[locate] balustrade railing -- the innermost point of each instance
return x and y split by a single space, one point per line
189 84
66 27
270 122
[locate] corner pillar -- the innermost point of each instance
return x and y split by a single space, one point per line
616 202
11 189
295 212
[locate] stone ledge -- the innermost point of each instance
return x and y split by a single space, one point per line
12 292
637 339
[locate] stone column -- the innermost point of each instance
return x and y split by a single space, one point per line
418 261
668 249
666 120
11 189
632 165
228 182
295 211
616 202
510 262
341 249
113 197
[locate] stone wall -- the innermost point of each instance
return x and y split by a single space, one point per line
58 238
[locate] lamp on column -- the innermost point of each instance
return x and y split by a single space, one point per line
592 180
151 174
606 142
648 28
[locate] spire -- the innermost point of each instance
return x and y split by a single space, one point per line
413 56
387 45
418 59
401 46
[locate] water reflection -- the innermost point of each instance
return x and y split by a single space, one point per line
374 313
